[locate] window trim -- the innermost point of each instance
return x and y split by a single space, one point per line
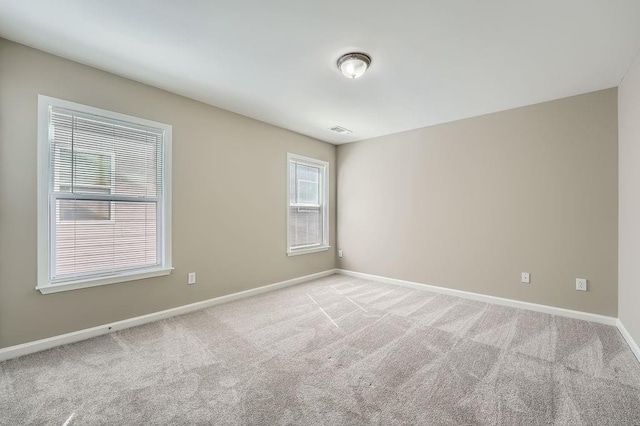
324 205
44 252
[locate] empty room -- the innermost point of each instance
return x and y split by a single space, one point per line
319 212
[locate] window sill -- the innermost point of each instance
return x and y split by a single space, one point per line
307 251
112 279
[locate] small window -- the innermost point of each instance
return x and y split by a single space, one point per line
104 201
94 172
307 205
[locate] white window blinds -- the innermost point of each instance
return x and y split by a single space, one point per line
105 195
307 204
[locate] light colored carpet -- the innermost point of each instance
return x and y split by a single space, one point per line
335 351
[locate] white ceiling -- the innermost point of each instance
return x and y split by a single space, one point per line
433 60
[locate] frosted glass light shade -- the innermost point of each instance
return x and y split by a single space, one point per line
353 65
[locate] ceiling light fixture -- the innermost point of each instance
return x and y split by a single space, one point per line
353 65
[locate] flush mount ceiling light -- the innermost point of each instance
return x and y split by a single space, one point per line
353 65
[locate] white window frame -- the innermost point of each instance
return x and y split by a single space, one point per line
324 203
45 217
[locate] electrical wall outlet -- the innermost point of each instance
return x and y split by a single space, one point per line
526 278
339 253
581 284
191 278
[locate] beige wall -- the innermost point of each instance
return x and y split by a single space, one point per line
471 204
629 226
229 201
466 205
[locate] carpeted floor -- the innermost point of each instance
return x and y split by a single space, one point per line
334 351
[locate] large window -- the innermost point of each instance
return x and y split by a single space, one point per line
104 212
307 205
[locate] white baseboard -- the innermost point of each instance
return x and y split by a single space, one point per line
63 339
632 343
602 319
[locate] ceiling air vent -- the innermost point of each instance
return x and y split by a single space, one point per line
340 130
